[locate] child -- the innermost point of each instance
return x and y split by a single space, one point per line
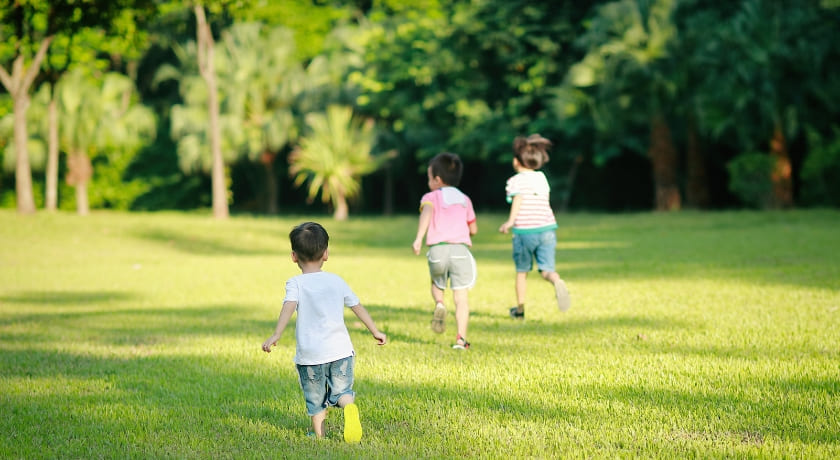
448 216
532 220
324 354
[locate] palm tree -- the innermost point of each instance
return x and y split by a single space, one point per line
764 65
96 117
258 81
334 156
18 83
266 81
628 75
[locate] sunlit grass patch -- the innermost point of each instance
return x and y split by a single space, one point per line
690 335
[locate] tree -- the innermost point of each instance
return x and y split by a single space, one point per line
29 26
261 93
765 67
96 117
627 78
206 67
333 156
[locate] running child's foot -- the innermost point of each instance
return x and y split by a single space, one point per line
461 344
516 314
439 318
563 299
352 424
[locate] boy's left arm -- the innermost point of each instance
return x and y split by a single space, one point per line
365 318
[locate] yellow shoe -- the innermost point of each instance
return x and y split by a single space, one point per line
352 424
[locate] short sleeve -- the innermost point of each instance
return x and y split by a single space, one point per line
470 212
292 291
511 189
427 199
350 298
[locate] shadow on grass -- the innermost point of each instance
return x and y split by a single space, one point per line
202 243
217 405
65 298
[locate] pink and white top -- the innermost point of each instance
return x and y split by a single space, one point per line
452 216
535 214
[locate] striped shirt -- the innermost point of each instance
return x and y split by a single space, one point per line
535 214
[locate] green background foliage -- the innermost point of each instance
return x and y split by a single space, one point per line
461 76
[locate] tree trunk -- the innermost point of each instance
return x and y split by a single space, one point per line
17 85
52 157
82 203
23 172
206 54
341 209
388 204
697 185
570 183
79 172
663 156
782 171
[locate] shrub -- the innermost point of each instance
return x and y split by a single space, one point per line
750 178
821 170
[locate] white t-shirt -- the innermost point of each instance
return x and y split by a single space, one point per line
320 333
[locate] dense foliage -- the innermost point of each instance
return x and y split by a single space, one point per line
650 103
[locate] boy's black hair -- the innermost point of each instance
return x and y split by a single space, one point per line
448 167
309 241
531 151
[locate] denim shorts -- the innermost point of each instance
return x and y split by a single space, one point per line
530 246
324 384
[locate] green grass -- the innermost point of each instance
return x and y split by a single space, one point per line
691 335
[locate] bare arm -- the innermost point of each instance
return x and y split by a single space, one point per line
514 211
473 228
422 226
282 322
365 318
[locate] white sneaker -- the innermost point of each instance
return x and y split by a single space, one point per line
564 302
439 318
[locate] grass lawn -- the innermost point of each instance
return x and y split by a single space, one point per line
690 335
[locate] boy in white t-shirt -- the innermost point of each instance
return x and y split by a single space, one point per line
532 220
324 355
447 219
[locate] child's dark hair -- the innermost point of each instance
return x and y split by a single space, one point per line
309 241
531 151
448 167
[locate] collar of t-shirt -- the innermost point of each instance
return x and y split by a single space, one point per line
453 196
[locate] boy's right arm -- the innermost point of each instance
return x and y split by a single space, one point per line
422 226
282 322
514 211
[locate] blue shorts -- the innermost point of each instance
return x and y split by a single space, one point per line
324 384
530 246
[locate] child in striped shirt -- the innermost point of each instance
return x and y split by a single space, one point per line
532 220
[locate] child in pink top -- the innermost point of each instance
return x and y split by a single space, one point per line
447 219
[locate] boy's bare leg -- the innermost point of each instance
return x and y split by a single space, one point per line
318 423
521 280
551 277
437 294
439 318
560 290
462 310
345 400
